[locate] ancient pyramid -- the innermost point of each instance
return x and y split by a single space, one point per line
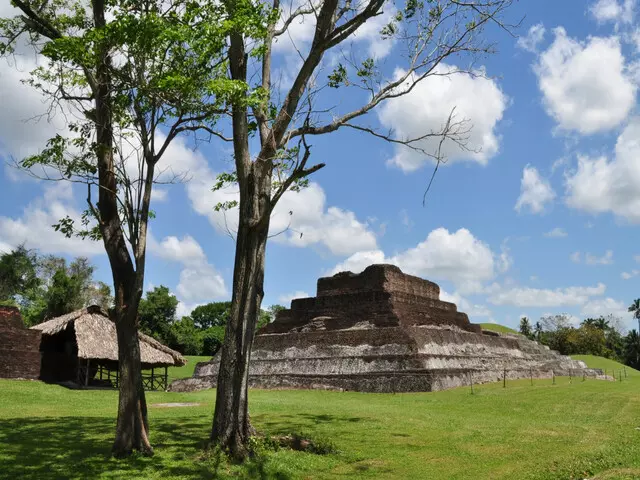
384 331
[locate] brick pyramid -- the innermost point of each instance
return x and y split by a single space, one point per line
384 331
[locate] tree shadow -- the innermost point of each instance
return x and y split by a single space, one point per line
287 423
78 447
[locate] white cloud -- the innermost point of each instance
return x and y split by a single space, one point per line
299 219
629 275
556 233
300 32
537 297
591 259
534 37
311 222
600 185
535 191
359 261
187 251
605 306
34 228
637 258
286 298
606 259
199 281
613 11
477 100
586 87
406 220
458 257
24 125
463 305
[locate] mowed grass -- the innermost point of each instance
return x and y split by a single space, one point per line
611 366
175 373
495 327
569 430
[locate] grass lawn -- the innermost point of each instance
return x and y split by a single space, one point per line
606 364
568 430
495 327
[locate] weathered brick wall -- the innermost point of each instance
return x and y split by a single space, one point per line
19 346
388 278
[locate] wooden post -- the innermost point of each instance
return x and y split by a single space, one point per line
166 378
553 376
625 372
570 376
100 367
584 376
531 375
620 372
86 375
153 387
504 378
471 381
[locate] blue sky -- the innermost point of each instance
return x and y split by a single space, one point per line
543 217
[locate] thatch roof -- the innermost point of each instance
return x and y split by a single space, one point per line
96 338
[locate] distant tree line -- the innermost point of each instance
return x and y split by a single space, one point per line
46 286
602 336
199 333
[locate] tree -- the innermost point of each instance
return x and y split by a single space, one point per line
525 327
537 331
18 273
635 308
600 323
122 73
185 337
431 32
212 314
632 349
157 312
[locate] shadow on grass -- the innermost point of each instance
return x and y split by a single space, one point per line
301 422
78 447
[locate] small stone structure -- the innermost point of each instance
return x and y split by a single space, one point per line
384 331
19 346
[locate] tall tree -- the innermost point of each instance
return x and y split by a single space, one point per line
635 309
212 314
431 32
525 327
157 312
122 70
18 273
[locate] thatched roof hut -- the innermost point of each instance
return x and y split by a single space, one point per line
96 338
77 346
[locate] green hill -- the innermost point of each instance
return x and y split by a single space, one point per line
593 361
495 327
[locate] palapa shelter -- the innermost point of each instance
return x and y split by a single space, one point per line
82 347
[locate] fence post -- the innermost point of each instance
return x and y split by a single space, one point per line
553 376
471 381
531 375
625 372
620 372
570 376
584 376
504 378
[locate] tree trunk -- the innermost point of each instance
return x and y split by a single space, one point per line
132 428
231 425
